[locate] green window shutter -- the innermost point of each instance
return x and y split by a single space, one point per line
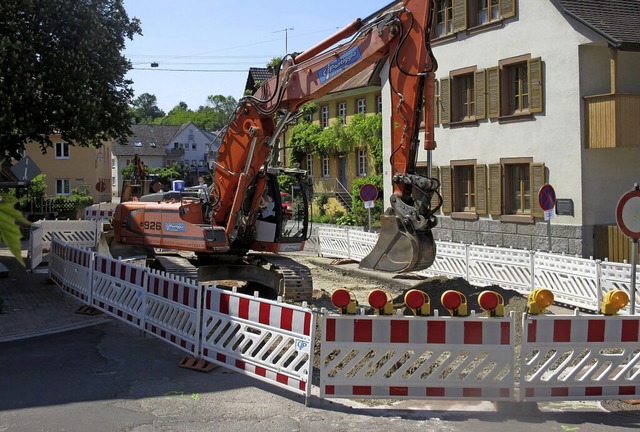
535 85
445 101
493 84
481 94
481 189
507 8
436 102
459 15
445 188
537 181
495 189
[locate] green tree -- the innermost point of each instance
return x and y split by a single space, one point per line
62 71
335 140
213 116
145 108
368 130
304 138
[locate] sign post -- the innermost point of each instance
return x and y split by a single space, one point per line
547 200
628 219
368 194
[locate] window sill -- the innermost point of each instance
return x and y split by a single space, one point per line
464 215
463 123
523 219
486 27
444 39
516 117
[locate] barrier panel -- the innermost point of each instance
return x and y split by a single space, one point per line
57 261
417 357
361 244
78 273
334 241
451 261
617 276
119 289
579 358
267 340
172 310
509 268
34 253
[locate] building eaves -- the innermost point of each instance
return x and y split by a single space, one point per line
615 20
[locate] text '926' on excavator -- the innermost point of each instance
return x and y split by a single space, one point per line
242 211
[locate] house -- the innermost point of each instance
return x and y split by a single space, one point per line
530 93
255 78
163 145
69 167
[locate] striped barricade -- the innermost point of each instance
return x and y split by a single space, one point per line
172 310
509 268
119 289
417 357
267 340
580 358
57 261
78 273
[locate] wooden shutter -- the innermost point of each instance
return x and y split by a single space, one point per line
481 94
535 85
493 87
445 101
507 8
495 189
436 103
459 15
537 181
481 189
445 188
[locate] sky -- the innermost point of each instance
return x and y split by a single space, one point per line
206 47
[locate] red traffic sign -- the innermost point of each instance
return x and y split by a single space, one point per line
547 197
628 214
101 186
368 192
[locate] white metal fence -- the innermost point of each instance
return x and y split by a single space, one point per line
575 281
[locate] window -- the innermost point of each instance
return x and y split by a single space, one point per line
515 87
513 189
362 162
113 163
137 144
62 150
342 112
325 166
324 116
378 104
444 19
361 106
310 164
463 189
488 10
113 181
194 146
63 187
462 97
152 144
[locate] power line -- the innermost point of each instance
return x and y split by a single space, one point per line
190 70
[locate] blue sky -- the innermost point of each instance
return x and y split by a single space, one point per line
205 47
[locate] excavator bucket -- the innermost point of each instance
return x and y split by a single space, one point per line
400 248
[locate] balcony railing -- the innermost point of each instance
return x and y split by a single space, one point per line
612 121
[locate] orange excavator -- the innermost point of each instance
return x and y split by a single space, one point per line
242 210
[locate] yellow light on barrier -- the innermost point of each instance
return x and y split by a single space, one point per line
418 301
539 300
381 302
455 302
613 301
345 301
492 303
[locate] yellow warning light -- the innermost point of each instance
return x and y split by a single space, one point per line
381 302
345 301
613 301
455 302
539 300
418 301
492 303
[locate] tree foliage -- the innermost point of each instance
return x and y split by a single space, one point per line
145 108
9 230
63 72
213 116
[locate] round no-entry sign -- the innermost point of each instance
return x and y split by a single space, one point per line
628 214
101 186
368 192
547 197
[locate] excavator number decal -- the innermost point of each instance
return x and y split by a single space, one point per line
147 225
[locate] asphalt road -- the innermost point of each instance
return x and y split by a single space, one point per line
110 378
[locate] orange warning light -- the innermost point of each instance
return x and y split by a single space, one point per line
492 303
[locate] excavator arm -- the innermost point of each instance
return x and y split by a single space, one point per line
400 33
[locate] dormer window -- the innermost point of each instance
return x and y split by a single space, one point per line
137 144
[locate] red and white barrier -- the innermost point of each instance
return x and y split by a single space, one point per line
580 357
264 339
77 273
417 357
119 289
93 213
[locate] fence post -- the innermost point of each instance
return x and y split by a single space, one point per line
200 321
92 264
144 288
466 261
348 244
598 284
532 255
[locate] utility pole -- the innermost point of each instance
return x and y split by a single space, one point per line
286 37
